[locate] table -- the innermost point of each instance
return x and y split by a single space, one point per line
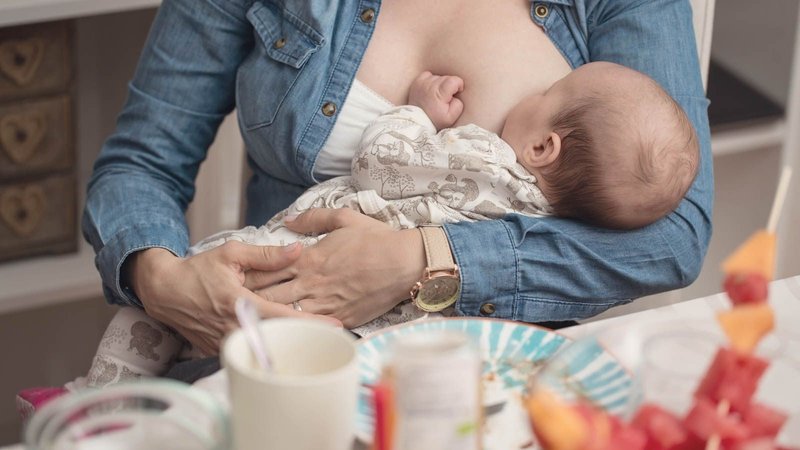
784 297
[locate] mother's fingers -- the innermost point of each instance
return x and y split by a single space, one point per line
257 279
284 293
260 257
325 220
314 306
269 310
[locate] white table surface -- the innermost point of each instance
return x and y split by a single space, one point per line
784 297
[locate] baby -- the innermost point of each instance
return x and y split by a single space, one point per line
605 145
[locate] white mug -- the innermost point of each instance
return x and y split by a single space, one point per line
307 401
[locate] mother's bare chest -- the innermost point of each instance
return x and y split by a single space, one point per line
493 44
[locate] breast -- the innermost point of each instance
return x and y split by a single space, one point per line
497 49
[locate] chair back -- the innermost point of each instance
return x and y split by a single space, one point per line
703 15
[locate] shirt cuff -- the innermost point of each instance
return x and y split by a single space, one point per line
487 261
112 256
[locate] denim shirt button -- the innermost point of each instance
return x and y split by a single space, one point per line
487 309
541 11
329 109
280 43
368 15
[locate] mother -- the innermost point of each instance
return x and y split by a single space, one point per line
287 67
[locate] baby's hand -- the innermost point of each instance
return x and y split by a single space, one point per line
435 95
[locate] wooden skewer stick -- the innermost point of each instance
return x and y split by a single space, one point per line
780 197
713 443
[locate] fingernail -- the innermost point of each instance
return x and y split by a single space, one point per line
289 218
291 247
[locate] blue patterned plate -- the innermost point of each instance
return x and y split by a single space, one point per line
512 352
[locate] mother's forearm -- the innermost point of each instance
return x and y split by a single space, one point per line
550 269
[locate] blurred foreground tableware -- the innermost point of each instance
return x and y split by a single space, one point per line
307 401
152 414
510 352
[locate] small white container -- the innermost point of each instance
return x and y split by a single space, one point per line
436 376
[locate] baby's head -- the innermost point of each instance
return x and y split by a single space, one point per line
607 146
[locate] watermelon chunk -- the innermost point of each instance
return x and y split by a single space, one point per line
763 421
626 437
745 325
704 421
732 376
663 429
744 288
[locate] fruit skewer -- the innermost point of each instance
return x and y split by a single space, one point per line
748 271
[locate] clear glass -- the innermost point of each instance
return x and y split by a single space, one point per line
148 414
672 366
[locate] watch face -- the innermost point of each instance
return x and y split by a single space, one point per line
438 290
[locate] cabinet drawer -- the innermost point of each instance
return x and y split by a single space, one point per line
38 217
34 59
36 137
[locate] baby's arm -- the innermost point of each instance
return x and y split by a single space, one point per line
435 94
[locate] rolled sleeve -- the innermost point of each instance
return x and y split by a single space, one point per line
111 257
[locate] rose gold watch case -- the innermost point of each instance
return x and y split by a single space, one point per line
438 290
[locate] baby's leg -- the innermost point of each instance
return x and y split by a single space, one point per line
134 345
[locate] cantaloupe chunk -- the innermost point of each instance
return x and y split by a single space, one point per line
745 325
755 255
557 425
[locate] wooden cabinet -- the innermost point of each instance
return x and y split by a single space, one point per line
35 59
37 154
38 217
36 136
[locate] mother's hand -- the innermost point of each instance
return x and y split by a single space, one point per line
196 295
359 271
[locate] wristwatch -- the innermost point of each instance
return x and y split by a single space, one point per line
441 281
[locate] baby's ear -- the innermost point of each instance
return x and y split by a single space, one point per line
545 152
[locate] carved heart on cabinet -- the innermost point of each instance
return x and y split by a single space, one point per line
21 134
22 208
20 58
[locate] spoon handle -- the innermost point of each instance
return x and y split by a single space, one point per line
248 319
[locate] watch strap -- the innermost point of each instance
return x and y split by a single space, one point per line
437 249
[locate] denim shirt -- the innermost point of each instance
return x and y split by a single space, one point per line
205 57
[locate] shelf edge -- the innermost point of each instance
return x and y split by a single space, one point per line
747 138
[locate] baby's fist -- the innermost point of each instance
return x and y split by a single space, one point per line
435 94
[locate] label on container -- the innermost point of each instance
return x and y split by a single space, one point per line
436 378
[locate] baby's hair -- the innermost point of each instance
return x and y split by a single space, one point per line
583 184
671 164
577 174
